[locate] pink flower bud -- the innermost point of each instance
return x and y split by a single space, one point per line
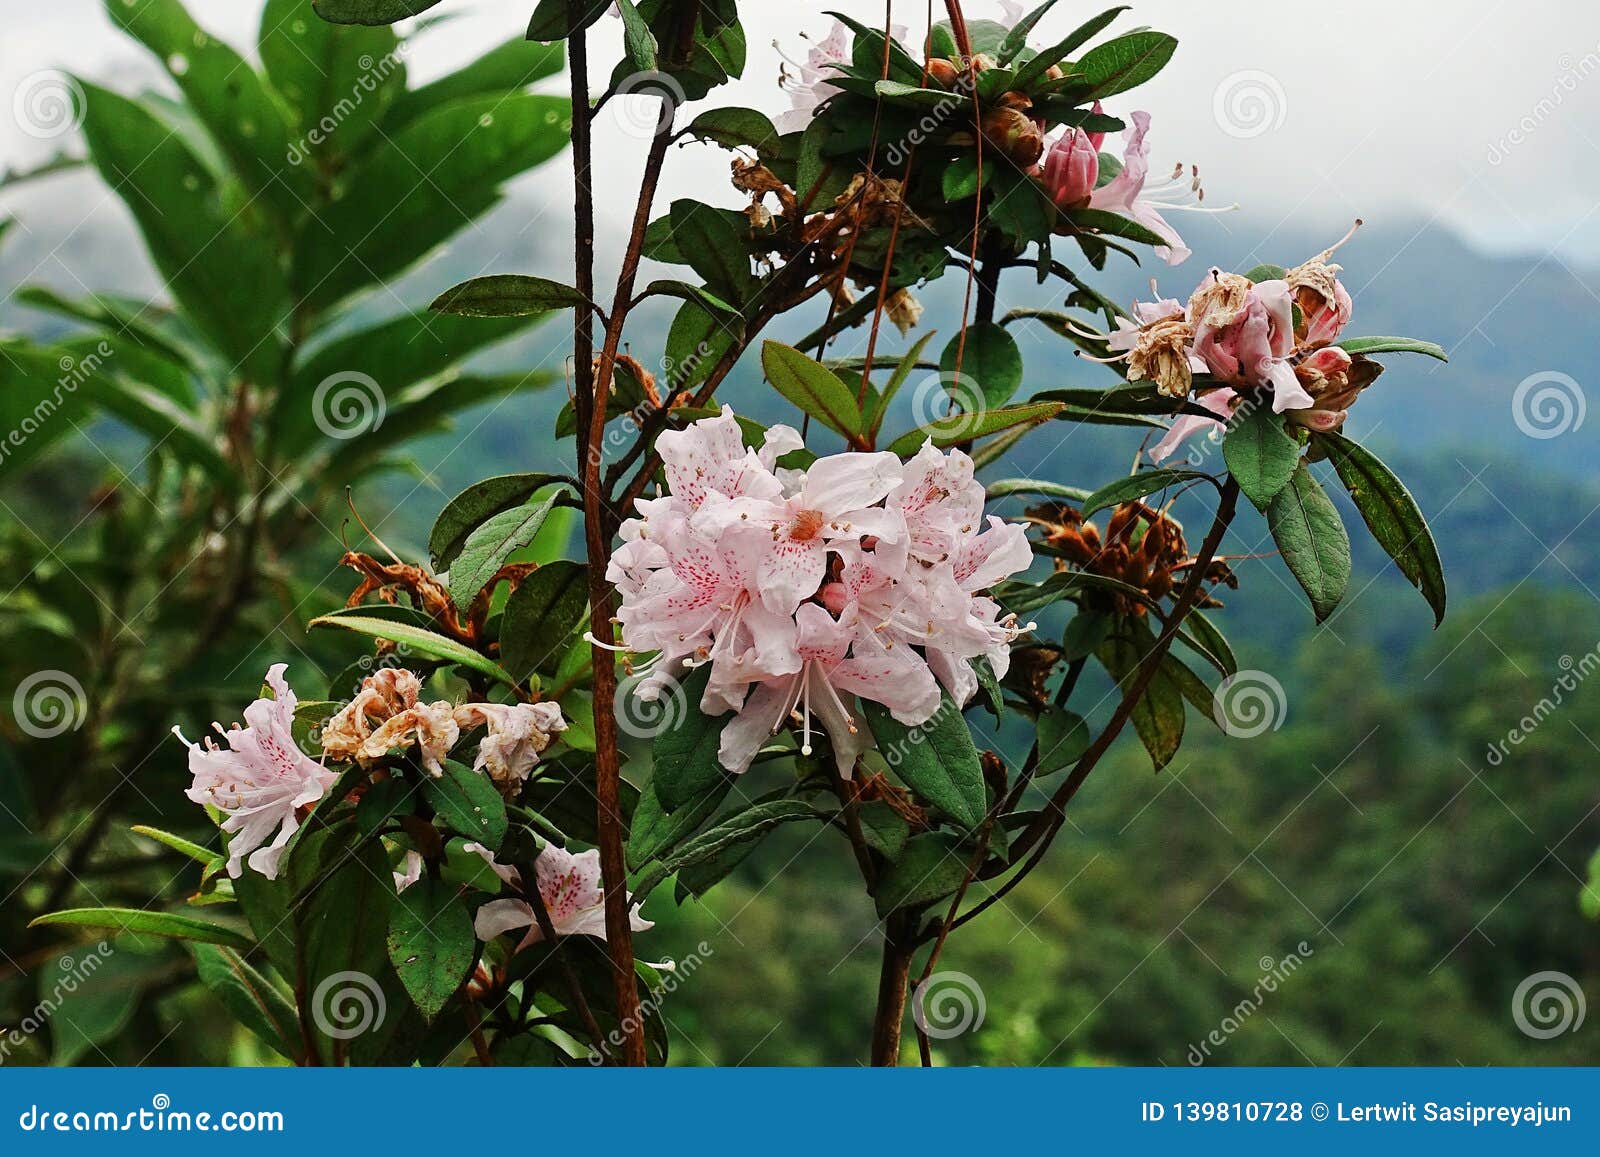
1071 169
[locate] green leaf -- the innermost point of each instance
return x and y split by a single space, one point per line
253 1000
959 428
656 831
418 639
1260 455
715 247
508 295
936 759
1124 63
1063 738
1202 636
227 96
1392 515
431 943
509 67
475 505
178 844
488 547
1158 716
37 401
1392 345
559 19
884 829
541 617
1266 272
878 402
734 128
1114 225
685 753
697 341
1023 598
370 11
419 187
1036 488
813 387
1034 70
990 358
930 867
638 42
1016 40
711 855
155 415
330 74
1136 486
468 802
228 279
144 923
1311 536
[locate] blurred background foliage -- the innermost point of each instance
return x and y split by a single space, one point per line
167 534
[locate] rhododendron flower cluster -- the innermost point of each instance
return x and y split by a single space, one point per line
1261 339
860 577
262 780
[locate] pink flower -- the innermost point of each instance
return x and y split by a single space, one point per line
1244 333
259 780
1220 402
571 889
808 85
517 733
1071 168
1124 193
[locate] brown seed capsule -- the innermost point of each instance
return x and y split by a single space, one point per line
942 72
1016 135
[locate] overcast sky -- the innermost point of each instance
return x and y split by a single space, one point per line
1482 114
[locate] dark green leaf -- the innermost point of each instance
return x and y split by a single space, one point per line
685 753
931 866
145 923
1311 536
420 640
813 387
936 759
1392 345
492 544
370 11
1124 63
1136 486
431 943
477 504
1063 737
1260 455
468 802
734 128
541 617
508 295
989 357
1392 515
1158 717
254 1000
960 428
